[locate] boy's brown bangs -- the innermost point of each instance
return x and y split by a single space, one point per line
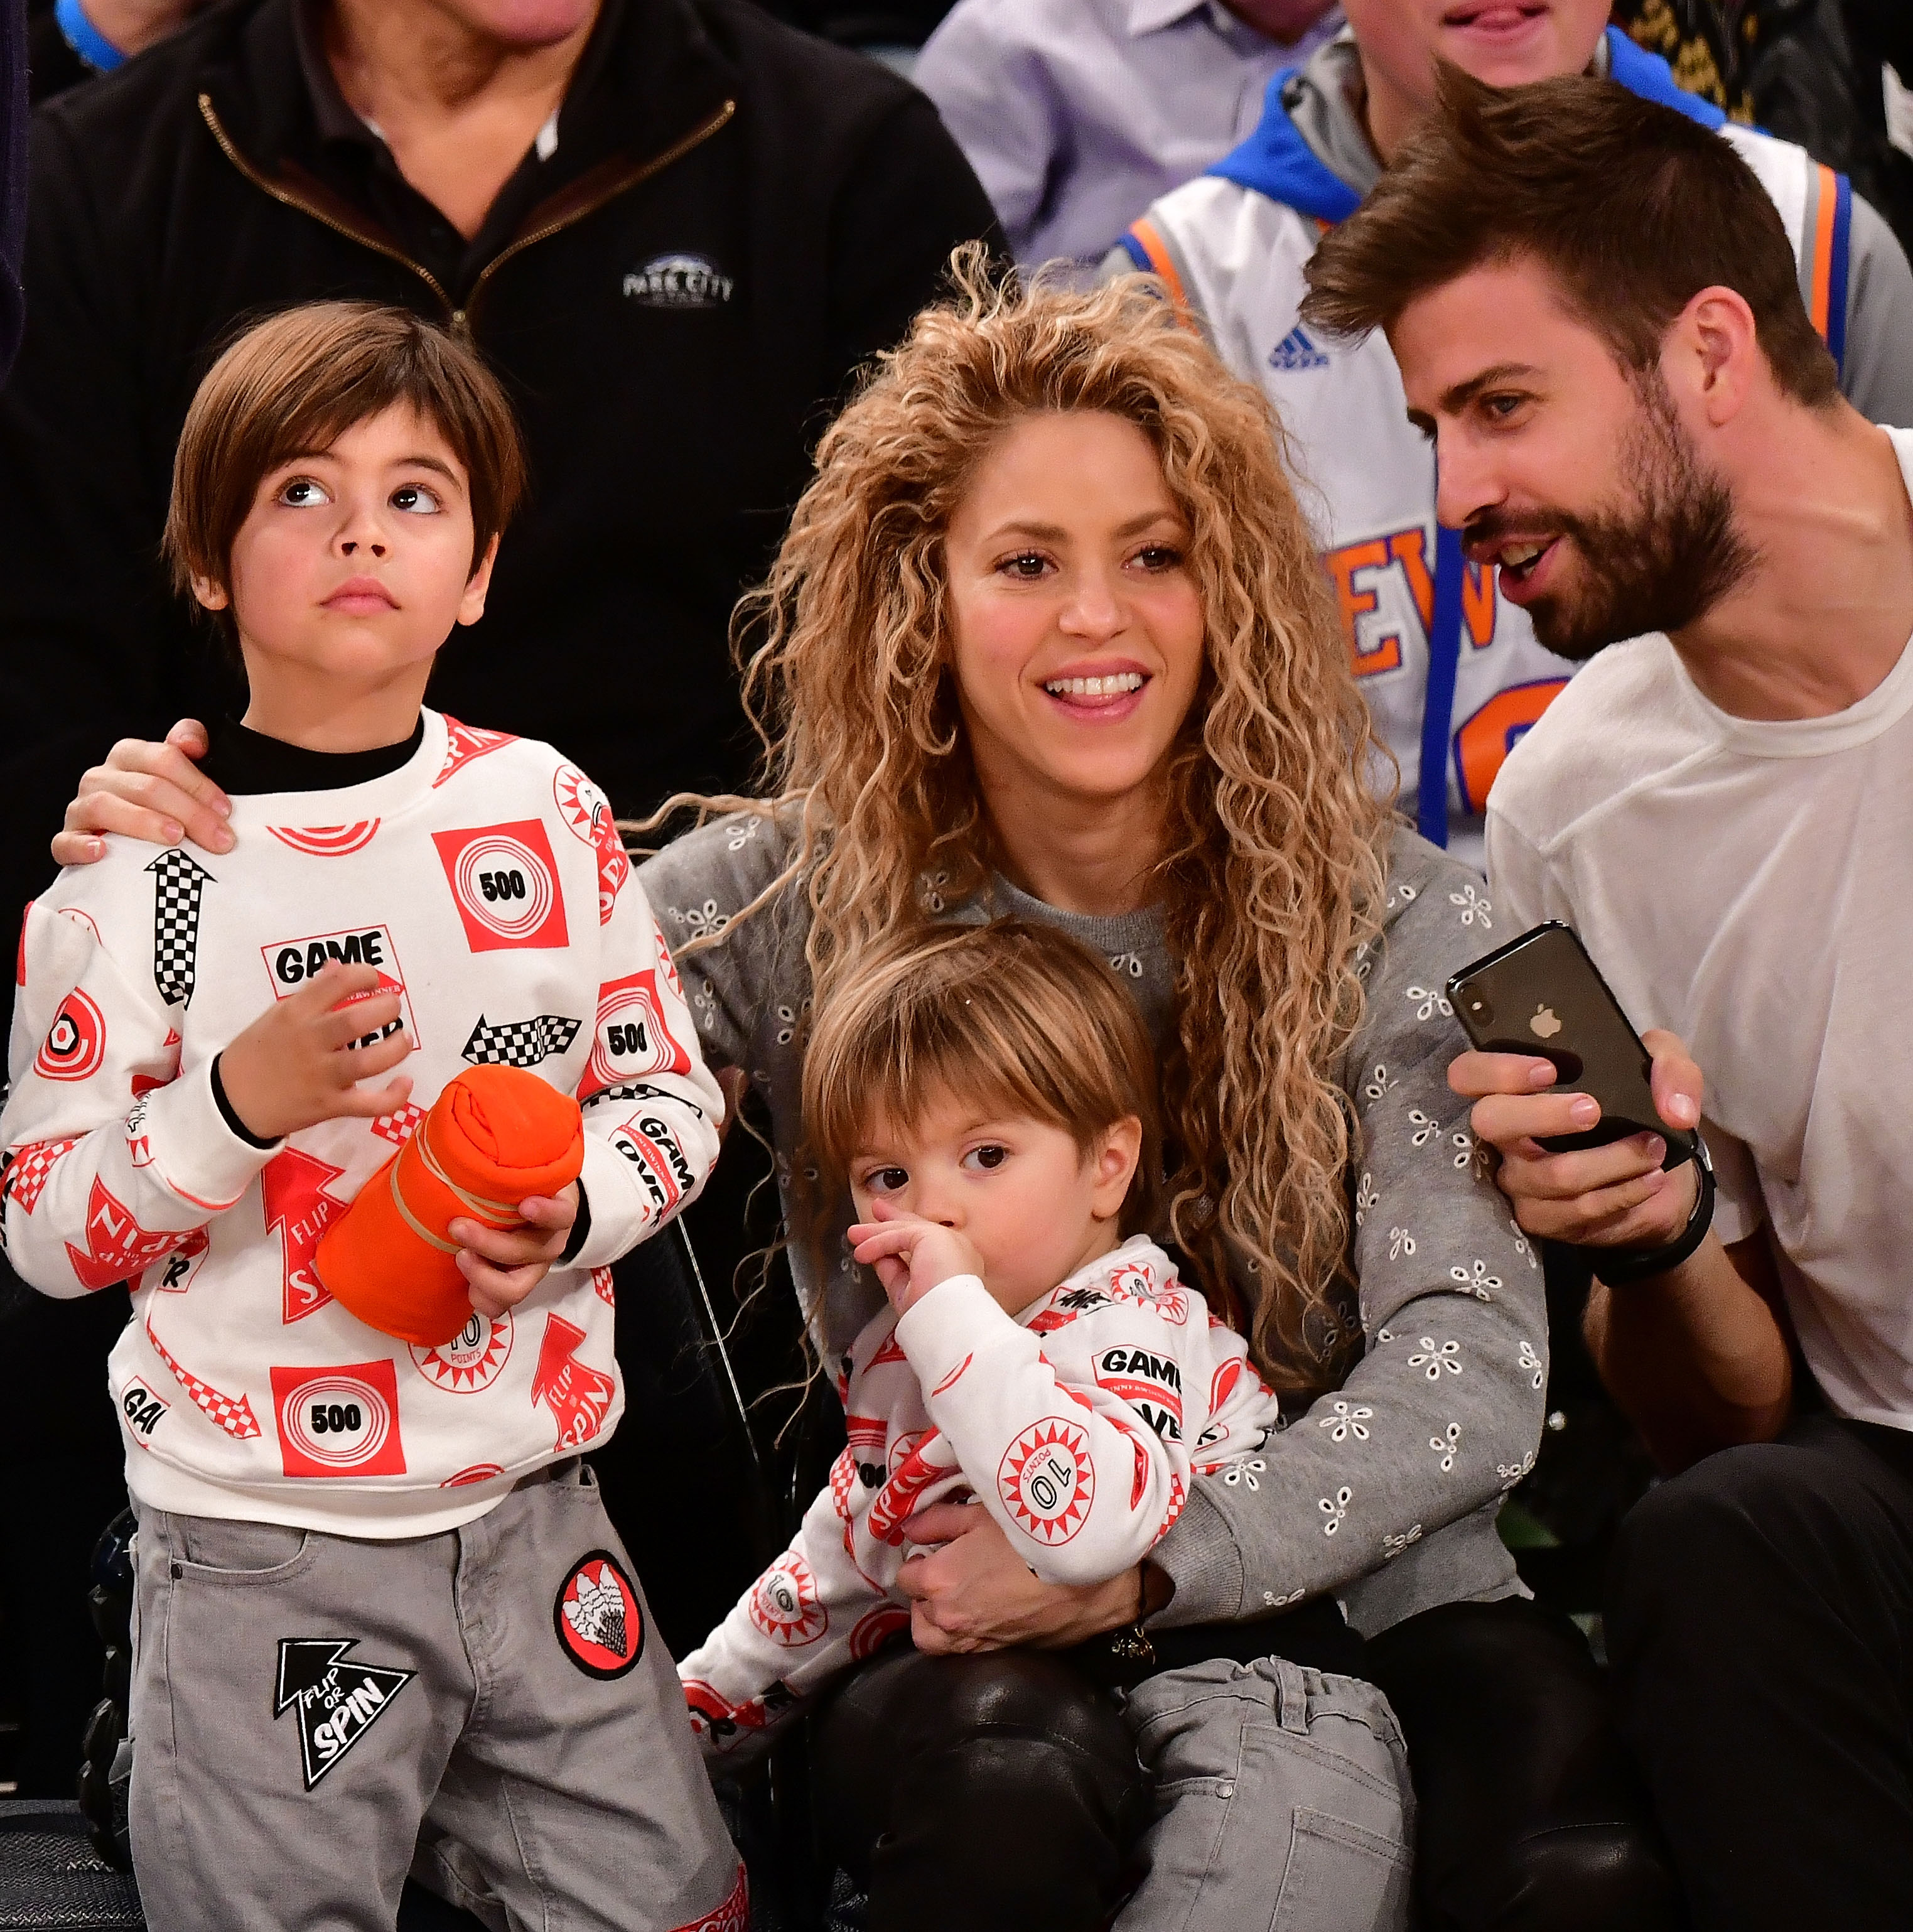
293 384
891 1076
1009 1016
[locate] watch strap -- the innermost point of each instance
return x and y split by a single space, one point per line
1620 1266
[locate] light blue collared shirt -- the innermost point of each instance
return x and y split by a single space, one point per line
1077 114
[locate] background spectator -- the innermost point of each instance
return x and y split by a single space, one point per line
71 40
1077 114
1811 71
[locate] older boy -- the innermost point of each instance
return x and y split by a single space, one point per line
380 1608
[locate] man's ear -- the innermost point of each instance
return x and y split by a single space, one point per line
1712 353
471 605
211 596
1114 1157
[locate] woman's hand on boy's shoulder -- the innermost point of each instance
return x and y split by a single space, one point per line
147 790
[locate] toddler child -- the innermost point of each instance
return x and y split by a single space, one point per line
988 1096
380 1611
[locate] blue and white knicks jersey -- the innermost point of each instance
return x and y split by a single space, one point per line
1453 673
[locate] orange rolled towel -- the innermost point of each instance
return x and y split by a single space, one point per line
495 1136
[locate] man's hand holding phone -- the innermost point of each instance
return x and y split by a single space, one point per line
1614 1196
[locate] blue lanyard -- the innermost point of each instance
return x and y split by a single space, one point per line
86 39
1444 652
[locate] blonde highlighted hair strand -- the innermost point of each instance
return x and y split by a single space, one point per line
1271 879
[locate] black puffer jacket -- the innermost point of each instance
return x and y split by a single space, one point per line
735 216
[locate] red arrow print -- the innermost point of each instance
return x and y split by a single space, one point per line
117 1247
579 1397
293 1186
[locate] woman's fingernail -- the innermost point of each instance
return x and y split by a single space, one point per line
1583 1111
96 848
1654 1148
174 833
1541 1073
222 840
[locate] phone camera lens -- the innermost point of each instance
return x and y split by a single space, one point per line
1480 1009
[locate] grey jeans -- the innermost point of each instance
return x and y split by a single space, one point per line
1281 1800
313 1715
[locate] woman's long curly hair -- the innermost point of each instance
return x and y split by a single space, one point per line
1271 876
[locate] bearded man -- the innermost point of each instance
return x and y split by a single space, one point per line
1598 323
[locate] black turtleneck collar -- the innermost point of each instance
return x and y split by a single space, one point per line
242 761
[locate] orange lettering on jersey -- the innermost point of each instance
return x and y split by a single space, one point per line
1478 604
1386 653
1409 548
1487 737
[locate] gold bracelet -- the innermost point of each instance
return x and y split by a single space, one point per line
1133 1645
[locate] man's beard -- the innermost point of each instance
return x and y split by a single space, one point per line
1657 563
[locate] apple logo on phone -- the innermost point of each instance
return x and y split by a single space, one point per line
1544 1025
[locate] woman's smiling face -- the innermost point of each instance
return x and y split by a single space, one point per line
1076 624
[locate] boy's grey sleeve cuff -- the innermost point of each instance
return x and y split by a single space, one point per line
1201 1557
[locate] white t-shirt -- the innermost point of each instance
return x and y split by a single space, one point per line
1748 884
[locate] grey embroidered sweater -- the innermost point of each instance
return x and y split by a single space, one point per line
1384 1492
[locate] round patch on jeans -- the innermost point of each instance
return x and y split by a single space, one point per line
598 1618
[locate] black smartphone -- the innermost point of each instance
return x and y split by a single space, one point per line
1541 995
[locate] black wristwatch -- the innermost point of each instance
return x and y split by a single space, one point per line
1619 1266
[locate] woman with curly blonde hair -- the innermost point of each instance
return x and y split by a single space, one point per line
1049 637
1251 824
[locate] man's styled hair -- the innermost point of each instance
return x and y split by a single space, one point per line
291 385
1632 208
1011 1015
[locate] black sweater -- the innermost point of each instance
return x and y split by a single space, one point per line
669 406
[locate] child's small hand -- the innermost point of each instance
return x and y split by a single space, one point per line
503 1265
910 1256
298 1064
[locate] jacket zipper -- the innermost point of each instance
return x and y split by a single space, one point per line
460 317
623 184
280 192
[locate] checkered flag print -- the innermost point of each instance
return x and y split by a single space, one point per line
521 1043
399 1127
177 884
631 1090
233 1414
26 1169
638 1090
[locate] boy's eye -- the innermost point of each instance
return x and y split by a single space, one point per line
302 492
416 497
988 1157
886 1180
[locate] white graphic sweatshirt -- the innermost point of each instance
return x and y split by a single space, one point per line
484 879
1075 1424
